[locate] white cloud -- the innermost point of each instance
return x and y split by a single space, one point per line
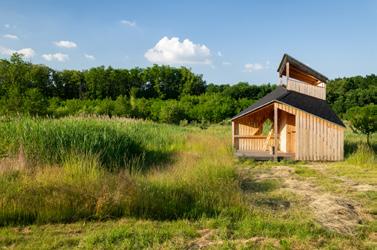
6 51
128 23
172 51
251 67
66 44
7 25
219 53
10 36
60 57
90 57
26 52
226 63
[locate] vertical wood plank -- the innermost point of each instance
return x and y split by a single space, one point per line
287 71
297 146
276 130
325 142
233 134
316 138
342 146
311 139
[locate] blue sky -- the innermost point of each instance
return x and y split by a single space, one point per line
226 41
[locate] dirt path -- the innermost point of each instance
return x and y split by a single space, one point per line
332 212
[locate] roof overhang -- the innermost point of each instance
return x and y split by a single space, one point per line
253 110
277 101
300 71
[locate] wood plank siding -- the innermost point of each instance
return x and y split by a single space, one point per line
316 138
307 89
304 135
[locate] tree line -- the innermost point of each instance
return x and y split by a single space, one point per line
348 92
159 93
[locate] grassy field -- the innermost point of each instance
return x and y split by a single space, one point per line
116 183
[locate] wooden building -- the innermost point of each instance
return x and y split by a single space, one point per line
303 125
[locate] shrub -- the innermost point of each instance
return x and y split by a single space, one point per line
122 107
34 102
171 112
105 107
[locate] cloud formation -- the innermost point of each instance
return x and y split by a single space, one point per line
173 51
251 67
10 36
128 23
65 44
90 57
60 57
25 52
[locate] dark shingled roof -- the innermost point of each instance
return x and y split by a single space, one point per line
312 105
301 66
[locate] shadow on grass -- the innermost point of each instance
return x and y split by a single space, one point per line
263 199
273 203
148 160
157 160
253 186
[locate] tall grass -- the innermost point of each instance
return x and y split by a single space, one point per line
115 144
357 151
202 182
364 155
67 178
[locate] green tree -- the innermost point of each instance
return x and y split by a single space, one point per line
192 84
71 84
171 112
95 79
34 102
345 93
122 106
105 107
363 120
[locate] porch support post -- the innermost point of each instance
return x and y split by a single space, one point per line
233 134
275 132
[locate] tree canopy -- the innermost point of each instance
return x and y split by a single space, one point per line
160 93
363 120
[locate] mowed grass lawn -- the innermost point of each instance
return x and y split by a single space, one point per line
125 184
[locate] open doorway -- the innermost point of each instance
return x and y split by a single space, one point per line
287 131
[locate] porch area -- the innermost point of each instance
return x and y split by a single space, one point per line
267 133
264 155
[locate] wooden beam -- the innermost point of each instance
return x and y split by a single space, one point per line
233 135
287 71
299 75
276 131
